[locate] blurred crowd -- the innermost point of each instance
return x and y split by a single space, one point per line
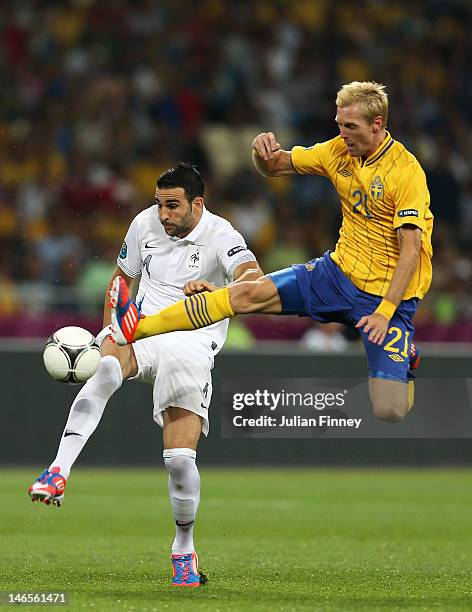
99 97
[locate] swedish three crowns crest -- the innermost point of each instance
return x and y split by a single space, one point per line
376 188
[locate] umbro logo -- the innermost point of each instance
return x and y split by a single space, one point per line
395 357
345 173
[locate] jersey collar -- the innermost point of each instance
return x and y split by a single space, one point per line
380 152
198 230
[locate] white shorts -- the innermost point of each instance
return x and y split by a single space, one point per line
179 366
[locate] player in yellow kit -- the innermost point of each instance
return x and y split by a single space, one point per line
381 265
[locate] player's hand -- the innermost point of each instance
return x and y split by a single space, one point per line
376 325
265 145
198 286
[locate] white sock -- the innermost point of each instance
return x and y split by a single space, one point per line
184 494
86 412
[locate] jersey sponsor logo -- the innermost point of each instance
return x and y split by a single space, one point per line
123 250
149 245
236 249
345 173
411 212
395 357
376 188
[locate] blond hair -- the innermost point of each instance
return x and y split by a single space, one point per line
369 95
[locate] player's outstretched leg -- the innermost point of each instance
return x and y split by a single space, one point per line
198 310
49 487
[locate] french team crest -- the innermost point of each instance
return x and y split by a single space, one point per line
194 258
376 188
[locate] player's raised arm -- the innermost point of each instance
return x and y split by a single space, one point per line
268 156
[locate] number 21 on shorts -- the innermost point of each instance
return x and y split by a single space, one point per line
395 344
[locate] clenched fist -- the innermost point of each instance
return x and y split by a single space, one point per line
265 145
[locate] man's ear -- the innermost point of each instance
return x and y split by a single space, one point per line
377 123
198 203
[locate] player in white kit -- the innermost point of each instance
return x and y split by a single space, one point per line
168 245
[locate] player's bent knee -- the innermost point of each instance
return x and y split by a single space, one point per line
177 466
389 399
178 462
392 411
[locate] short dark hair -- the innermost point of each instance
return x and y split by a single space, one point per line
183 175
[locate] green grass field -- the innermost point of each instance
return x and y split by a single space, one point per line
267 539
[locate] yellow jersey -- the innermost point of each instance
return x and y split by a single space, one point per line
378 195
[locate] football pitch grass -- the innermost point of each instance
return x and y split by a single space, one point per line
268 539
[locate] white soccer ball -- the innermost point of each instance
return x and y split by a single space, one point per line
71 355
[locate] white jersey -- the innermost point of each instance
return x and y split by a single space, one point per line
211 251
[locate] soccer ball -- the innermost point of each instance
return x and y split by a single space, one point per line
71 355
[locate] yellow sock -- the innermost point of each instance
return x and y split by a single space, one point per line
197 311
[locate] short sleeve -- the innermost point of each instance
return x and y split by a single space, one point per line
411 197
312 160
129 258
232 251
